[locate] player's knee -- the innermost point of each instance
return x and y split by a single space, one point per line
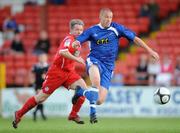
100 101
96 82
96 85
40 99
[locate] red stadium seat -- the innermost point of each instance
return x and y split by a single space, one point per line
125 12
21 77
9 80
20 58
10 75
1 58
7 44
31 60
144 23
8 58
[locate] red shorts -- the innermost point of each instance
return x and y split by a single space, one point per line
54 80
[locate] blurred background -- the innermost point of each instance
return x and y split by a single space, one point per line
30 27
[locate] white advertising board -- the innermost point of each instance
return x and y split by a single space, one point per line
121 102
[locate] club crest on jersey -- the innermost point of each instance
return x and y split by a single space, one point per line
46 89
102 41
67 42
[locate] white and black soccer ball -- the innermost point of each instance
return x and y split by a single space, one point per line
162 95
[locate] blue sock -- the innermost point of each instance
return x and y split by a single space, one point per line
79 91
92 108
91 94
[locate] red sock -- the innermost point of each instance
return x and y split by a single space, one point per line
29 104
76 107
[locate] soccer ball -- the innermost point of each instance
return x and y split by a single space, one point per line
162 95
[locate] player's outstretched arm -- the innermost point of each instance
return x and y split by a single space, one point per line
68 55
141 43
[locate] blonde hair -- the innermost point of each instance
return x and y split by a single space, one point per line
73 22
103 10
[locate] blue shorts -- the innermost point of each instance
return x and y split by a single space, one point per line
105 74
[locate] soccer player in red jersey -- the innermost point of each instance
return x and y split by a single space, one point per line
61 73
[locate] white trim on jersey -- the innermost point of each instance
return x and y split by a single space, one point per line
89 62
114 30
89 45
102 26
62 63
110 28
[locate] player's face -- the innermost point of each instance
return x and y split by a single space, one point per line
106 19
77 30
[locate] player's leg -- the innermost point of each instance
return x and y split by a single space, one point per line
90 94
48 87
77 102
100 77
29 104
34 113
95 79
93 90
80 82
102 95
37 107
72 81
41 108
94 75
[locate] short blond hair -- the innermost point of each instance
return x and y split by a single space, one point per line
103 10
73 22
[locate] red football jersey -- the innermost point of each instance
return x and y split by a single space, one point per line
61 62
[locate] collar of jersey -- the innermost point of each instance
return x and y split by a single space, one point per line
103 27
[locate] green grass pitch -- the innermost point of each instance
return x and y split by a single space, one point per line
104 125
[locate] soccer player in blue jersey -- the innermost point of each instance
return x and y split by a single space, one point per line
104 41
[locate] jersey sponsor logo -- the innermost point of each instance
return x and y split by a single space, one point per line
67 43
102 41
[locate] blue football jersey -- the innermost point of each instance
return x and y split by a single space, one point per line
104 42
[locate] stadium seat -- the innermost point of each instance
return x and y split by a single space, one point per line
125 12
21 77
7 44
10 75
1 58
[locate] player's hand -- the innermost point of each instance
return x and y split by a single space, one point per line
76 44
81 60
154 55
